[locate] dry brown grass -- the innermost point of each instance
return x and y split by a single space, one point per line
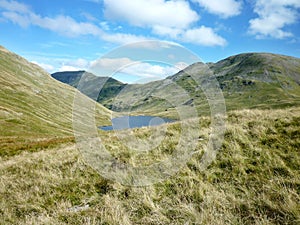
255 180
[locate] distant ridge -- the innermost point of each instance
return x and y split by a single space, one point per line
248 80
110 87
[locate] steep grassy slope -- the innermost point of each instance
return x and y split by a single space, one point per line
259 80
35 109
109 86
254 80
255 180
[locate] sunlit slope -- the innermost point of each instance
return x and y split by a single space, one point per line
259 80
250 80
33 105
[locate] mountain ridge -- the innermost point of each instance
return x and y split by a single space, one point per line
247 80
91 83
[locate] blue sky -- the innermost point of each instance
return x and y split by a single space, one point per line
70 35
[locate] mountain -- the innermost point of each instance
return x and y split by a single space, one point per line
35 109
259 80
255 178
251 80
109 87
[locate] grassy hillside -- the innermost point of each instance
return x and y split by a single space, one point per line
259 80
253 80
255 180
35 109
109 87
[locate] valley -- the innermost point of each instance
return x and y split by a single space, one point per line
45 177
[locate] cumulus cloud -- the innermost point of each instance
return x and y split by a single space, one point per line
110 66
167 31
65 25
172 19
74 65
172 13
273 17
68 68
21 15
204 36
148 70
121 38
107 66
224 8
81 63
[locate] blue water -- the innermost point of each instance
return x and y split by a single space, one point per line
128 122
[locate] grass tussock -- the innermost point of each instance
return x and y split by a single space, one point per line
254 180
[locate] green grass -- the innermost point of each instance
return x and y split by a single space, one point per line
33 105
254 180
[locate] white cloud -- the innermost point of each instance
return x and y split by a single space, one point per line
149 13
153 45
110 66
74 65
121 38
49 68
80 63
148 70
68 68
223 8
273 16
173 19
65 25
167 31
20 14
107 66
203 36
14 6
21 20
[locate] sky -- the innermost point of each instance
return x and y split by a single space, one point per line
61 35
